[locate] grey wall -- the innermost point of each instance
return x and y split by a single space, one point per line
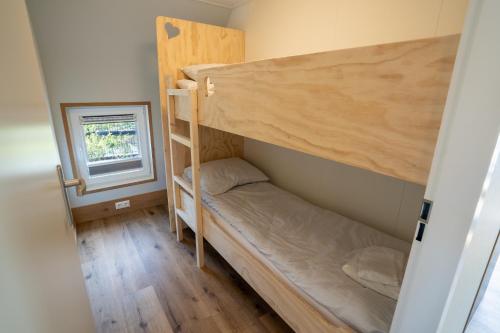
105 50
385 203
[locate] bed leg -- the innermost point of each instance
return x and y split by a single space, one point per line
180 229
200 253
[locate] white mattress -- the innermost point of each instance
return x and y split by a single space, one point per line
308 245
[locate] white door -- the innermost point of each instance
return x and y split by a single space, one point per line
459 175
474 302
41 283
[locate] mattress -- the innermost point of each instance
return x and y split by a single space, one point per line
308 245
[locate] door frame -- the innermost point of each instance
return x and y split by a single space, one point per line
465 148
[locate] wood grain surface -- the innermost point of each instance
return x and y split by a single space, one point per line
181 43
140 279
377 107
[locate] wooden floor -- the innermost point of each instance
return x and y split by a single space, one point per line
140 279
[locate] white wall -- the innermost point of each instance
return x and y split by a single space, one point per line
105 51
41 283
277 28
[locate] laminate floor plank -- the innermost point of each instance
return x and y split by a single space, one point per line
145 314
125 265
106 306
221 294
273 323
176 292
140 279
90 242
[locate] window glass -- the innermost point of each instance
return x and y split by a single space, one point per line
111 140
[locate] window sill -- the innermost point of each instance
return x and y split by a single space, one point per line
86 191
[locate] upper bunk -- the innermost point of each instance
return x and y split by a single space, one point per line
375 107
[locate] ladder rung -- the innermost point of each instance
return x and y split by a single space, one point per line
178 92
184 184
185 217
181 139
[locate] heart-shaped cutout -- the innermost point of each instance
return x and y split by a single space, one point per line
172 30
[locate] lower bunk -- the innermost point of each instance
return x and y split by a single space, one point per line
294 255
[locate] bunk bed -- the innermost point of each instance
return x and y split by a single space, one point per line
376 107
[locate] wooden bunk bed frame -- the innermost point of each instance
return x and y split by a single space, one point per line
181 43
376 107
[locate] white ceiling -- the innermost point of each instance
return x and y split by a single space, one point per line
225 3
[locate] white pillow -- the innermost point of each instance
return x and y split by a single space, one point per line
187 84
192 71
376 265
193 85
219 176
382 264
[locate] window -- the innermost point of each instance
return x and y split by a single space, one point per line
110 143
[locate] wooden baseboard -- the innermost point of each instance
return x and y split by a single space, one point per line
107 208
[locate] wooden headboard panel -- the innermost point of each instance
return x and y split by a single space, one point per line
181 43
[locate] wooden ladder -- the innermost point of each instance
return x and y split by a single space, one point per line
180 143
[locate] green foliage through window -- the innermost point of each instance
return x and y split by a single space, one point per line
112 140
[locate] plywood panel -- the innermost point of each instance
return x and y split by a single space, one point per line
181 43
196 43
377 107
215 144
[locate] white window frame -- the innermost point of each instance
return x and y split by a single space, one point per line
101 182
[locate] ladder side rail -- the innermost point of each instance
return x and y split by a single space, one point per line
174 162
195 167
